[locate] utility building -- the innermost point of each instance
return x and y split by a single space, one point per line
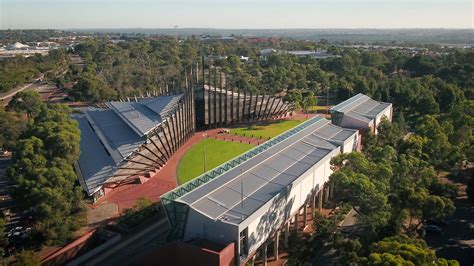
250 200
361 112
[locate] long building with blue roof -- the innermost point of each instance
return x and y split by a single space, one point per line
250 199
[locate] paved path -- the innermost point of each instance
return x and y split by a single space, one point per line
132 247
6 97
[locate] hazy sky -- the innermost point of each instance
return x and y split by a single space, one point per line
236 13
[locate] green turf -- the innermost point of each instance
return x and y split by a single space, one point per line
217 153
268 130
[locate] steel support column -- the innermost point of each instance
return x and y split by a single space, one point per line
275 244
264 254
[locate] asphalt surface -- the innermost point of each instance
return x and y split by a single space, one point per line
6 203
132 248
6 97
457 240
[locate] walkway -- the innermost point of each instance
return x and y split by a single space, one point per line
6 97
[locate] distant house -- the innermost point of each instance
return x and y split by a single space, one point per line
266 52
361 112
319 54
17 46
244 58
216 39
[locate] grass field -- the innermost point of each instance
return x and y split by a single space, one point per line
318 109
266 131
217 153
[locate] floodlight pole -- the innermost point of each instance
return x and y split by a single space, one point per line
204 151
327 100
241 194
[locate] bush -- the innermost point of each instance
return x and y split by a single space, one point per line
143 210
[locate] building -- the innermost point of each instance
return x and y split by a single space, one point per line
361 112
221 107
251 199
319 54
129 141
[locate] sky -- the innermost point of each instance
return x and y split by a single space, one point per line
236 14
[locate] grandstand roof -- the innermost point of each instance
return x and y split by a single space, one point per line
361 107
109 135
239 192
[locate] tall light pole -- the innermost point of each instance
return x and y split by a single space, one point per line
327 100
204 150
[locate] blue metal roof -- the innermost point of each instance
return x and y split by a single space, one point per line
361 107
109 135
145 115
95 164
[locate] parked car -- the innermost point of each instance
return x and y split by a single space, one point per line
439 223
19 232
433 229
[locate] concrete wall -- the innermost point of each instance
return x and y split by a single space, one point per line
387 113
199 226
184 254
101 248
350 143
351 122
262 226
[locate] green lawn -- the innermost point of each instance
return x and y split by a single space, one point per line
318 109
266 131
217 153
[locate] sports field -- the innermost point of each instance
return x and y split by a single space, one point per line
217 153
268 130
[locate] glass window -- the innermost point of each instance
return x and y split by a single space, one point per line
243 242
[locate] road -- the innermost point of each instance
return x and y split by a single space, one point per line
6 97
133 247
6 203
457 240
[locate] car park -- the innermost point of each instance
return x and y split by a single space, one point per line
433 229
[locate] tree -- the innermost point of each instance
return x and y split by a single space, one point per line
3 237
26 258
45 181
402 250
364 185
91 88
308 101
11 127
437 146
28 102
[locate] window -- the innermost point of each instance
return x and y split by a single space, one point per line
243 243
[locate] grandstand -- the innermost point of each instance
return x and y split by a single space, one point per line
129 141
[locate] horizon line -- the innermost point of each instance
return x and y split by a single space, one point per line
212 28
